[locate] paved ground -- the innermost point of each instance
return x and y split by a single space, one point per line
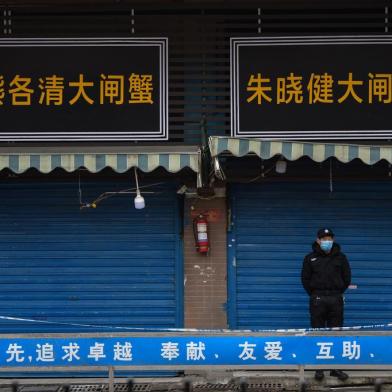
251 381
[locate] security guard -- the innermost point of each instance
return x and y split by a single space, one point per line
326 274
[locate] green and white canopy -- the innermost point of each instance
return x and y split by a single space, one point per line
318 152
94 159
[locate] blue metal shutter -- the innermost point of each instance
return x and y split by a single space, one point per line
273 226
112 265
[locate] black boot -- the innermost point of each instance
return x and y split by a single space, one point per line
319 375
342 376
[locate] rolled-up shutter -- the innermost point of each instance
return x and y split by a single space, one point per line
109 266
273 226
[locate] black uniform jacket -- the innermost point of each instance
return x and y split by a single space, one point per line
326 273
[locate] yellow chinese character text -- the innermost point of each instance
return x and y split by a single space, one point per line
140 88
21 94
320 88
257 86
81 85
288 89
380 86
112 88
2 92
350 83
52 90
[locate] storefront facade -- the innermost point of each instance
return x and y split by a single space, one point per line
274 218
72 267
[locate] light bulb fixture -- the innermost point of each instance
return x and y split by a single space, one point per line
281 166
139 199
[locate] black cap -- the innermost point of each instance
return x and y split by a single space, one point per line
325 232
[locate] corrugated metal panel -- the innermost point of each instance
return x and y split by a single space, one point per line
273 227
113 265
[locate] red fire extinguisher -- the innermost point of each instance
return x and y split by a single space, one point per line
200 231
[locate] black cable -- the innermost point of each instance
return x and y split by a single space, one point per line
130 385
243 385
187 386
377 385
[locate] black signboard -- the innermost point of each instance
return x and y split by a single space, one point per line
337 87
83 89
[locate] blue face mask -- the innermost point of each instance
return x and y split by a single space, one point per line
326 245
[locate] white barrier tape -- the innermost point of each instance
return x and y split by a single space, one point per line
96 326
293 330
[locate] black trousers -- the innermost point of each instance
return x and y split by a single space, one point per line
326 311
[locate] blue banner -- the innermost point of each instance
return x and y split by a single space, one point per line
196 350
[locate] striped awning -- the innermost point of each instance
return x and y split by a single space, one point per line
318 152
94 159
